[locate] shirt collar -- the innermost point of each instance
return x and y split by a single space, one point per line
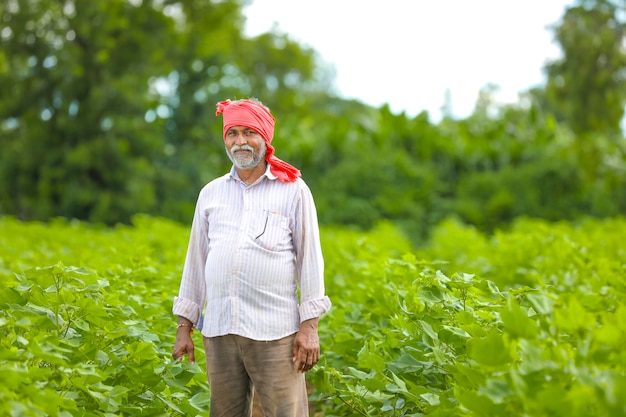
268 174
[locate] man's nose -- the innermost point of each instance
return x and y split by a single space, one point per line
241 139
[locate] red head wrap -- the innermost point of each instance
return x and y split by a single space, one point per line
255 116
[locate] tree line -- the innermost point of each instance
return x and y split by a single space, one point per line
107 110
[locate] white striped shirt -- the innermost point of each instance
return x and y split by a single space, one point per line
250 250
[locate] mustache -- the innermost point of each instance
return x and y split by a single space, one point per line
236 148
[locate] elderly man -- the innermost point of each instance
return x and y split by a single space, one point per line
254 247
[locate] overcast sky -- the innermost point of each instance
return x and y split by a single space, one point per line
409 53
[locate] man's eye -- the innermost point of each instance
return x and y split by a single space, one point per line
248 133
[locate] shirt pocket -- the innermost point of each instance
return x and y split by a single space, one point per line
270 230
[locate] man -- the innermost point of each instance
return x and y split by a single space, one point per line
254 246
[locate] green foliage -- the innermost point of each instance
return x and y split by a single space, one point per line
532 328
528 321
498 164
92 334
108 105
74 84
586 87
108 112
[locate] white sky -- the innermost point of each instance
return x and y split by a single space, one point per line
409 53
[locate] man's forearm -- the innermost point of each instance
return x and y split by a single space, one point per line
310 324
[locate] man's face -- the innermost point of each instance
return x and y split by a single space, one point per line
245 147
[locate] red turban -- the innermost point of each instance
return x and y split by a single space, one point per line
256 117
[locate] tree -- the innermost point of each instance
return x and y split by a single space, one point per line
216 65
108 105
74 77
586 87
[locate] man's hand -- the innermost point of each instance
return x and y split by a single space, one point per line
184 344
306 346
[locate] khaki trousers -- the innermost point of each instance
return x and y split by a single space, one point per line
239 367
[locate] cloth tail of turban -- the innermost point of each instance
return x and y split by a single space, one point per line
256 117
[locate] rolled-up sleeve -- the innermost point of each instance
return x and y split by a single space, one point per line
192 293
309 258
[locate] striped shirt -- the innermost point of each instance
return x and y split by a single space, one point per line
251 251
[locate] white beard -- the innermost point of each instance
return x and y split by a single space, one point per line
246 161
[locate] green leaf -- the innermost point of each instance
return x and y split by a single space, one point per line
408 363
360 374
467 376
369 358
574 317
496 390
201 401
540 302
430 398
428 329
490 350
516 322
477 404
